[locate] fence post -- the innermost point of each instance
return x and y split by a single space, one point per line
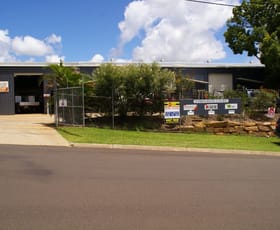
72 104
55 108
83 102
113 107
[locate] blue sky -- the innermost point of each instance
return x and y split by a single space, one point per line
120 30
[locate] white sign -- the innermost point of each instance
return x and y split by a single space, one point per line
62 103
191 113
191 107
202 101
211 107
231 106
211 112
231 112
4 86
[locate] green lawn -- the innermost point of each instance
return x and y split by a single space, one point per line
108 136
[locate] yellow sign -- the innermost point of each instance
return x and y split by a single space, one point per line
172 111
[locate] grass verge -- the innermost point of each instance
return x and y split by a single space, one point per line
109 136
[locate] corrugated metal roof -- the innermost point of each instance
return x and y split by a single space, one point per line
162 64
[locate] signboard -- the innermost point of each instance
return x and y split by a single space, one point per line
231 106
190 108
4 86
62 103
172 111
210 106
270 112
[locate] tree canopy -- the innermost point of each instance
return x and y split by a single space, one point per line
61 76
255 28
139 88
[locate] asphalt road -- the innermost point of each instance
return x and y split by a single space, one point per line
81 188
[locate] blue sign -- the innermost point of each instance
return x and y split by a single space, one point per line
210 106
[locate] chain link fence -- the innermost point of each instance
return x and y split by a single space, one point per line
69 106
73 108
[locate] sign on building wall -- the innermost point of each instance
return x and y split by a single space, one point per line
210 106
172 111
4 86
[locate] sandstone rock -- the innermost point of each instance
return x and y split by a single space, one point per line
248 124
199 125
230 130
267 123
218 130
199 130
251 128
210 130
233 123
187 128
271 134
263 128
217 124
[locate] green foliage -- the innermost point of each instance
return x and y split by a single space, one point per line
257 105
239 93
183 85
255 29
138 88
62 77
264 99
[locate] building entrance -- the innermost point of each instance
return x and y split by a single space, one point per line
29 94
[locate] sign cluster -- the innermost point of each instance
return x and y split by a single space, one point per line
187 107
210 106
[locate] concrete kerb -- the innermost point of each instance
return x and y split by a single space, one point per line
175 149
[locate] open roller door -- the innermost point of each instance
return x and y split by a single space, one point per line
29 94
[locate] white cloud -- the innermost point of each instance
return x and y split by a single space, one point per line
53 39
174 30
26 48
54 58
4 38
97 58
120 60
5 42
30 46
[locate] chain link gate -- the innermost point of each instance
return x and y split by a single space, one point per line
69 106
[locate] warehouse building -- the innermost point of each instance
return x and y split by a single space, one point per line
23 90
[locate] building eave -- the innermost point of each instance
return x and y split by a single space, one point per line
162 64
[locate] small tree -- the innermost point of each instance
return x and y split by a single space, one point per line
107 81
62 77
138 88
183 84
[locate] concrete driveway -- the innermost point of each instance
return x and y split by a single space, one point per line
30 129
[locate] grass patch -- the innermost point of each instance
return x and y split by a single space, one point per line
109 136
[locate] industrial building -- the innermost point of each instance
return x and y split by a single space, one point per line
23 90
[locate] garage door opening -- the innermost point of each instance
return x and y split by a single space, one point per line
29 94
